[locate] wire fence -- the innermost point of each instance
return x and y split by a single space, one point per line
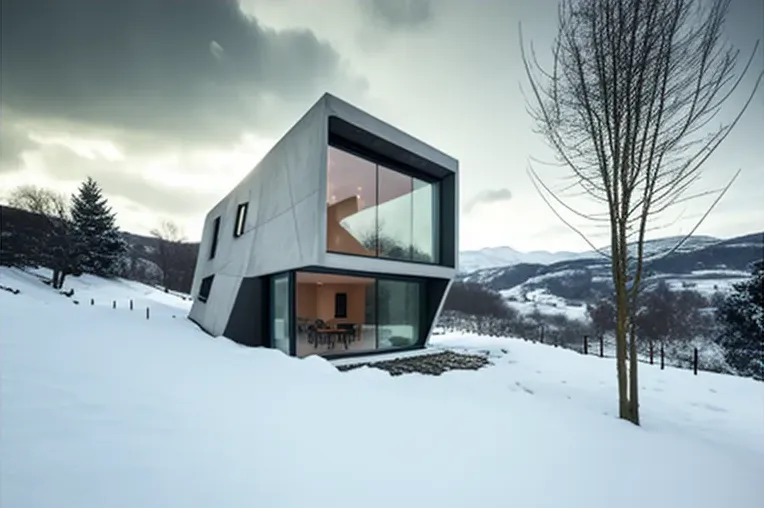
696 355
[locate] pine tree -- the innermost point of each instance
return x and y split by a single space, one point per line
741 316
99 241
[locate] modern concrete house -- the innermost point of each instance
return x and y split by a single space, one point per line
342 240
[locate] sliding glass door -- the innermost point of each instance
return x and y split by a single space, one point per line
344 314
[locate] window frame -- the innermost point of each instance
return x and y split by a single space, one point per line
385 163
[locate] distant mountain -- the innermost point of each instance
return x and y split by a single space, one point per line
702 262
497 257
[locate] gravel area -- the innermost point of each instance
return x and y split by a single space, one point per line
434 364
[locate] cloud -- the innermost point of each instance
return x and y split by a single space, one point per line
487 197
14 141
195 71
144 182
399 14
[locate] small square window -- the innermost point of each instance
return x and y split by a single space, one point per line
241 220
204 288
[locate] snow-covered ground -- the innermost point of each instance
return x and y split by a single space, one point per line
706 282
101 407
543 302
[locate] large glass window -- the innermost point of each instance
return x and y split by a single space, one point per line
321 329
281 313
424 226
398 307
351 202
373 210
379 314
394 217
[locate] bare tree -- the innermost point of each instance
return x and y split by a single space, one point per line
666 315
627 107
169 250
58 251
602 316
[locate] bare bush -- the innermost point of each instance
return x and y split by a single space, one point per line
57 249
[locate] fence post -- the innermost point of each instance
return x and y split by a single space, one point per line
131 305
92 301
114 304
651 352
695 361
541 339
147 312
602 346
586 344
663 358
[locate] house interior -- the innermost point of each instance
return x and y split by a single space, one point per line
340 239
335 314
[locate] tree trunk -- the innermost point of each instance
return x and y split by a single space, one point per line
620 350
54 280
633 381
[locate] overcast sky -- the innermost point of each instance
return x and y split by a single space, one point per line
169 103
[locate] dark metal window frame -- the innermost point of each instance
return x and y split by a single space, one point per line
441 221
422 324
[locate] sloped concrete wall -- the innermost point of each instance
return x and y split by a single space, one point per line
282 226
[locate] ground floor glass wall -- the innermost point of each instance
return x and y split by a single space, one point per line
338 314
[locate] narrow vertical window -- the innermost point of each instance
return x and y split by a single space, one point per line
215 232
241 219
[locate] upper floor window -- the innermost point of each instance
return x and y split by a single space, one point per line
373 210
241 220
215 232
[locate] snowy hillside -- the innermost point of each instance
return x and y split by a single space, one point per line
103 407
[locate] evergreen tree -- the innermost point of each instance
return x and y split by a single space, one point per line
741 316
99 241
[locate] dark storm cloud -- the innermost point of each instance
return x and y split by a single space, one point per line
486 197
193 69
400 14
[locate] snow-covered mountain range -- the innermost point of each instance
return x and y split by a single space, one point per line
497 257
702 263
